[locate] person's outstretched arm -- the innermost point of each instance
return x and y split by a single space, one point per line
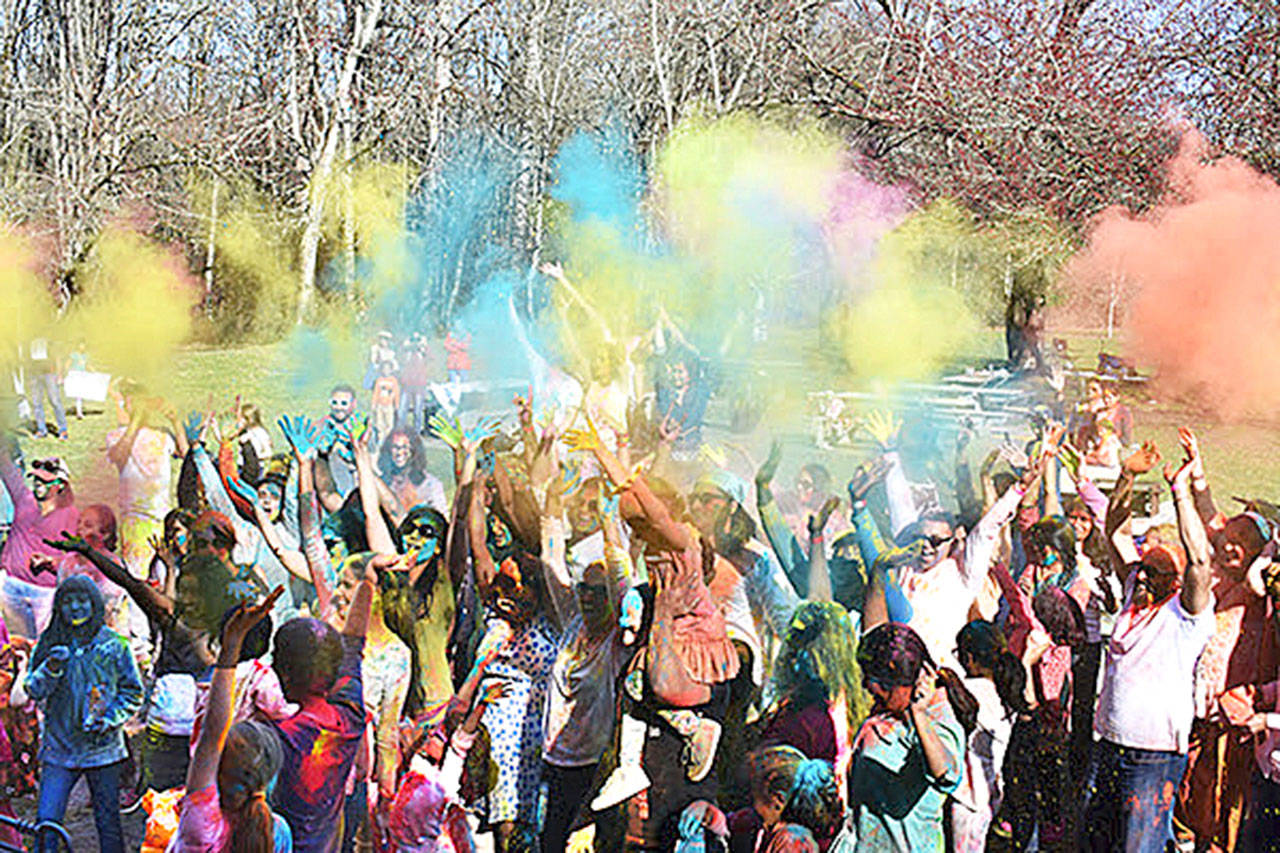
1196 578
375 526
819 575
640 507
157 606
1119 541
357 623
776 530
1199 483
25 507
202 772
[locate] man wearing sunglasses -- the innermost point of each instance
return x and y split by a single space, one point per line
1146 704
335 451
42 511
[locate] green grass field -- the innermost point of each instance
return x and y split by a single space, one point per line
1242 459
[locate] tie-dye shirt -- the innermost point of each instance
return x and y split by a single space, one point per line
320 743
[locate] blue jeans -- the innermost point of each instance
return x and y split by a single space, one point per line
27 608
1262 826
1129 795
46 384
104 789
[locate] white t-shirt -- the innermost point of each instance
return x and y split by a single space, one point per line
1146 698
147 473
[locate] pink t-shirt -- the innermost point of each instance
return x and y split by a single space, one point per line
203 829
30 529
258 697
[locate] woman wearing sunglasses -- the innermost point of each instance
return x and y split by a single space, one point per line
42 510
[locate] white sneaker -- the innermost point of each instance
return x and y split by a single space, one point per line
622 784
700 750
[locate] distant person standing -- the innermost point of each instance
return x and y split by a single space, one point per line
415 375
457 359
381 352
42 381
79 360
385 402
457 364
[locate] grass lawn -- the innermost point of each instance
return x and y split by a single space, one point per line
1242 459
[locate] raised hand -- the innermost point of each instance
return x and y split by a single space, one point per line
1191 448
1014 455
1179 477
524 410
818 522
448 430
303 435
884 428
586 439
161 546
631 616
1190 444
865 477
193 427
493 691
359 432
486 427
69 543
1054 432
551 269
765 473
246 616
1143 459
926 686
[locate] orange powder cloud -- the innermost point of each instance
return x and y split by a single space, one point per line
1205 266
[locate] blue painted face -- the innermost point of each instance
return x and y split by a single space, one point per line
77 608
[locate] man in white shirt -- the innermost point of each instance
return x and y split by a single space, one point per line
1145 707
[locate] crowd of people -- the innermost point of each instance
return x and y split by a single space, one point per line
588 634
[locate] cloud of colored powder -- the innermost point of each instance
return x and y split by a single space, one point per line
1205 266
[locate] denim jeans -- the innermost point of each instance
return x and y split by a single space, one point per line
1129 795
104 789
46 384
27 608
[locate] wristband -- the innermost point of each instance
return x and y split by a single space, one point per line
225 665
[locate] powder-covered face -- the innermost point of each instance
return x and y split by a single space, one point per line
92 527
269 495
77 608
341 405
1081 523
44 488
401 451
178 537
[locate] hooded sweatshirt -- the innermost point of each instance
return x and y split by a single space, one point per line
100 675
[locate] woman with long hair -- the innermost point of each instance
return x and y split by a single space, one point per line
1043 632
819 700
998 680
225 808
84 677
402 465
1086 512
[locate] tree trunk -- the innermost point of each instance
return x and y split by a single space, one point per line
322 171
